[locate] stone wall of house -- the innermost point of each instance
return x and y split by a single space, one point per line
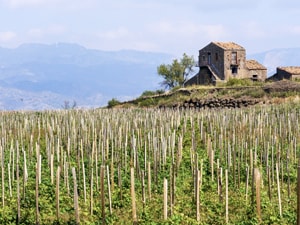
242 71
220 61
213 56
261 74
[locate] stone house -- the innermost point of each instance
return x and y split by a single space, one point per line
220 61
288 73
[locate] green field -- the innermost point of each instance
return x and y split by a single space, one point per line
192 151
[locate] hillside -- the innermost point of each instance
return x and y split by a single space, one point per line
233 95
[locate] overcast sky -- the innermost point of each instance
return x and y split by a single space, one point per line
171 26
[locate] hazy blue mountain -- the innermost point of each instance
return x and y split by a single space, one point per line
39 76
278 57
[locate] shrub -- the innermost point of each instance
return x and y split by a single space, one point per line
152 93
147 102
113 102
148 93
239 82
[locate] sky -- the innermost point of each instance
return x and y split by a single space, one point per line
169 26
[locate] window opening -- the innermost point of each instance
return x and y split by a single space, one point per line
234 58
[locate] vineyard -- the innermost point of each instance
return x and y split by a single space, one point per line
150 166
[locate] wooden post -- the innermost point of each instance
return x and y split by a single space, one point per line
76 206
269 183
102 194
143 190
40 169
220 184
18 187
57 192
198 195
83 173
51 168
247 182
298 193
3 188
91 191
257 178
25 174
9 180
37 193
226 196
278 190
165 199
109 189
132 190
149 180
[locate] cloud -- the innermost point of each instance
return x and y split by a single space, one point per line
22 3
118 33
189 29
294 30
253 29
7 36
58 4
51 30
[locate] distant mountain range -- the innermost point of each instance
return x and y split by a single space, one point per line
39 76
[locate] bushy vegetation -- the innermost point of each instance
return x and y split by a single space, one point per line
253 93
113 102
152 93
234 82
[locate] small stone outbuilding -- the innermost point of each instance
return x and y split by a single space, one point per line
220 61
287 73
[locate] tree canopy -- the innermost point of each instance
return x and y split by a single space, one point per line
176 74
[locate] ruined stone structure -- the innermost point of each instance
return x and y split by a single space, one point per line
288 73
220 61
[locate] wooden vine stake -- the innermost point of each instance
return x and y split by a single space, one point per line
2 175
109 189
132 190
102 194
18 187
9 180
269 183
198 195
57 192
298 193
165 199
257 178
278 190
149 180
91 192
51 168
247 182
25 174
76 206
226 196
37 192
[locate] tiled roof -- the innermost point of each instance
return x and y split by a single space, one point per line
291 69
254 65
229 45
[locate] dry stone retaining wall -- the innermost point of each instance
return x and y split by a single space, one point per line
216 103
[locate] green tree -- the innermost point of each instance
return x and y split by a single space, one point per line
113 102
176 74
